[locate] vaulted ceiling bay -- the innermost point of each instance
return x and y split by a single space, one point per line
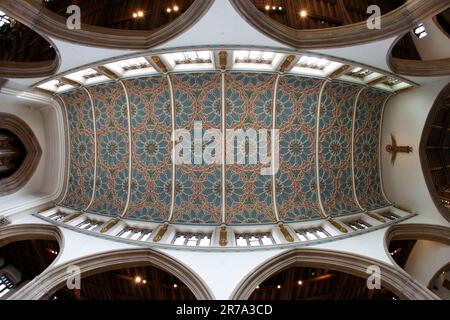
120 148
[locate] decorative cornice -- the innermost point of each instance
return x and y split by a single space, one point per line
33 14
400 20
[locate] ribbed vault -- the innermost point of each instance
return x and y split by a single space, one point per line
120 148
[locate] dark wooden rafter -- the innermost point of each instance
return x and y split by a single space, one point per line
434 151
30 257
139 34
394 22
120 284
317 284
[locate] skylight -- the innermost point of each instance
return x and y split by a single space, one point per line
87 77
393 84
315 66
131 67
257 59
55 86
313 63
359 73
260 57
189 60
191 57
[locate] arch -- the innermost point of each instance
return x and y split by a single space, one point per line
393 278
22 175
52 280
19 59
21 232
414 67
439 106
43 20
415 231
399 20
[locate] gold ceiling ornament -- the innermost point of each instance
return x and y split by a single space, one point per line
402 208
286 63
109 225
161 232
159 63
106 72
223 236
223 55
375 216
69 82
72 216
47 208
393 149
337 225
286 233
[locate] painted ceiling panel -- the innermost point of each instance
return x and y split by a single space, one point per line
367 179
150 197
198 101
198 192
248 105
335 143
82 155
111 115
296 180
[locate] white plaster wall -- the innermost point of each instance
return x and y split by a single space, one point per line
46 180
425 260
403 182
436 45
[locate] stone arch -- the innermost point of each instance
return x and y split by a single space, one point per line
394 279
394 22
32 13
23 232
54 279
22 175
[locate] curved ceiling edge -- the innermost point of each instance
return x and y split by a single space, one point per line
44 20
399 20
37 69
336 73
417 68
29 69
424 162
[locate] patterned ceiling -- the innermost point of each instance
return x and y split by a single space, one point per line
344 146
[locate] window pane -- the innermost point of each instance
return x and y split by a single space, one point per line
136 235
205 242
125 234
266 241
146 236
241 242
301 237
311 236
180 240
321 234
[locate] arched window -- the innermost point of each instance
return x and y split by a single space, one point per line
19 153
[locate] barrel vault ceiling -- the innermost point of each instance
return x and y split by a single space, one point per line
120 148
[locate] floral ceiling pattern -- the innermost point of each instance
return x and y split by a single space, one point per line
320 122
